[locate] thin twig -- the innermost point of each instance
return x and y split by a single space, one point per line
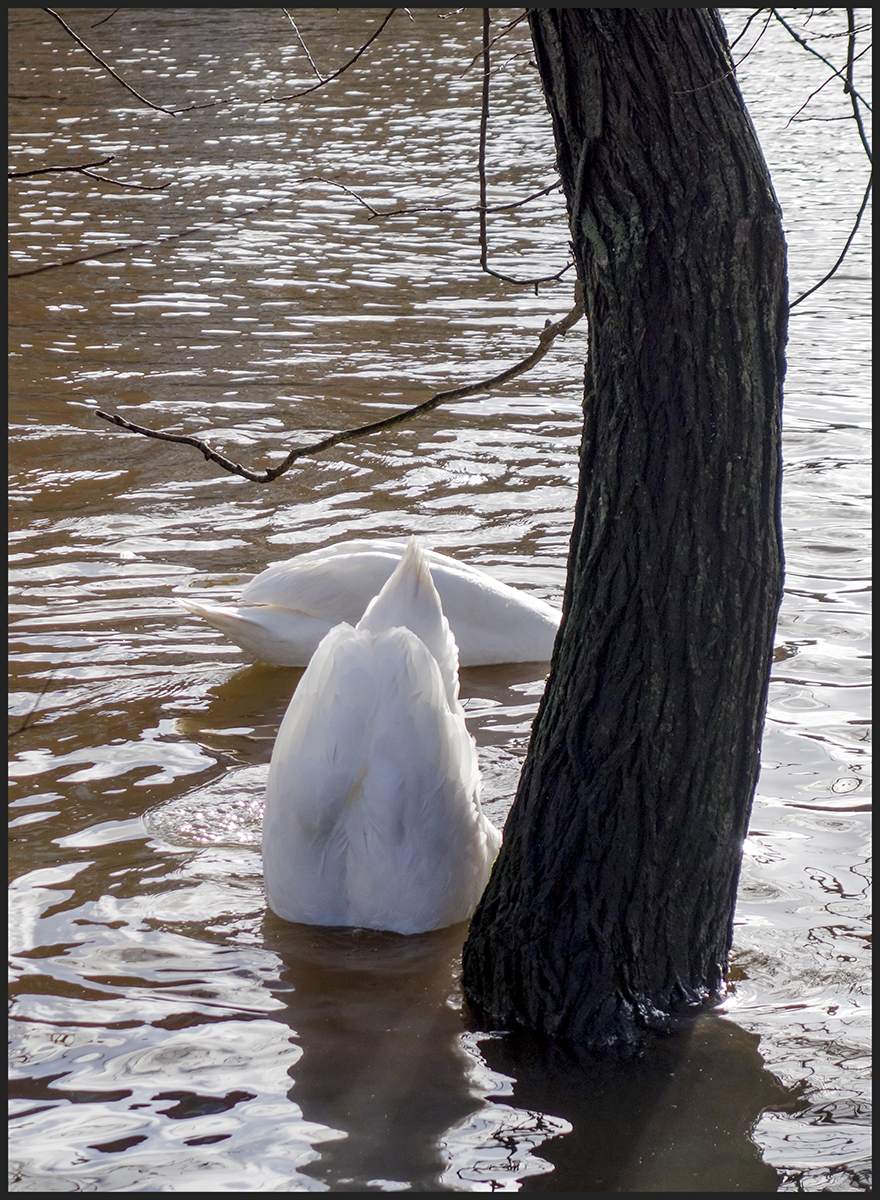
496 38
736 65
106 66
293 95
171 237
744 30
545 340
103 20
454 208
84 170
830 79
72 262
849 242
848 86
481 166
803 42
484 126
302 43
101 162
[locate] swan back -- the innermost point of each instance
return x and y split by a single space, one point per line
492 622
372 810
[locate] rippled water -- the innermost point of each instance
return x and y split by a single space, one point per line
168 1033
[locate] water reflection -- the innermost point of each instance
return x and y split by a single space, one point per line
377 1017
152 1028
680 1119
415 1101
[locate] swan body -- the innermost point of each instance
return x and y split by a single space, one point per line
373 813
285 611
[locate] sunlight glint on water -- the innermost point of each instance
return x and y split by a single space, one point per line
167 1033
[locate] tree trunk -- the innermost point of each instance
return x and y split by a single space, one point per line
610 908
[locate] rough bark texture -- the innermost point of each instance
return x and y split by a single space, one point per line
610 908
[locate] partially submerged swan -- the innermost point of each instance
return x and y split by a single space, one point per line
373 813
285 611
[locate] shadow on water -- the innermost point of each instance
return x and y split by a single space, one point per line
379 1020
678 1119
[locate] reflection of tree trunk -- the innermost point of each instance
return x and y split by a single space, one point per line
682 1122
610 907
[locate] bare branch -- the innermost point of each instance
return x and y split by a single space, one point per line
803 42
84 170
106 66
744 30
830 78
483 208
103 20
545 340
848 86
293 95
736 65
302 43
100 162
849 242
484 127
453 208
497 38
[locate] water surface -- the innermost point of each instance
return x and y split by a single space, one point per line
169 1033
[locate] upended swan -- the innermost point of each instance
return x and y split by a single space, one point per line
373 813
285 611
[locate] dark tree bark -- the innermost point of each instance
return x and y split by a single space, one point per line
609 912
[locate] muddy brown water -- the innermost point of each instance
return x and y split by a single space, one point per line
167 1032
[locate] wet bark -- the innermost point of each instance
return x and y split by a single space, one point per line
609 912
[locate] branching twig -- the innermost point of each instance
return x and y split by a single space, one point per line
72 262
302 43
803 42
849 242
821 86
851 58
100 162
84 170
739 62
173 112
848 86
106 66
451 208
744 30
545 340
497 38
484 209
484 128
293 95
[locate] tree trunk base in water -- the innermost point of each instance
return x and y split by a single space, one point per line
609 912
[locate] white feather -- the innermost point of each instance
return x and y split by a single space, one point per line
285 611
373 814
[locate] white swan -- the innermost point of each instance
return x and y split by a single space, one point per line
285 611
373 813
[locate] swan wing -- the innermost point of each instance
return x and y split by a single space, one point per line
335 589
320 754
268 633
419 818
491 621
